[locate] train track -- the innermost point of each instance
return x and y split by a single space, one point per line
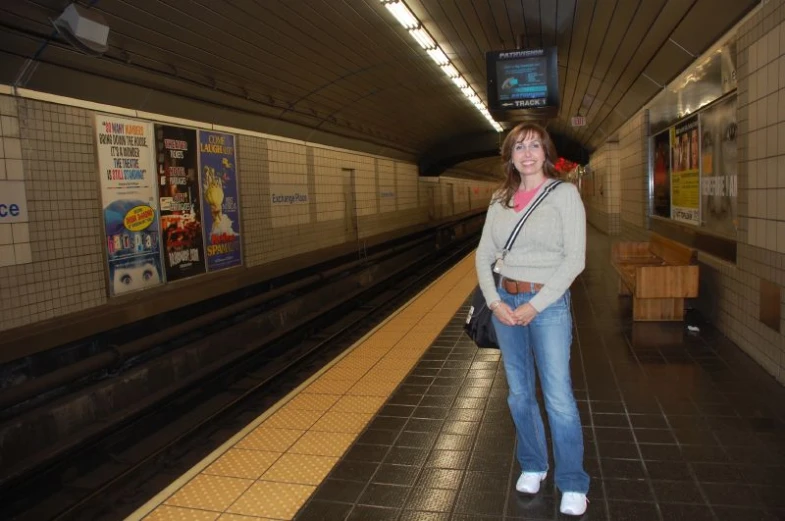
115 473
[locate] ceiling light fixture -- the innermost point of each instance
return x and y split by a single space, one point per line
415 28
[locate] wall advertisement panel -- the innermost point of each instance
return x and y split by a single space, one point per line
129 202
719 168
180 201
220 200
662 174
685 171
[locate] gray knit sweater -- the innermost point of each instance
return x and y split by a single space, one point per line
550 249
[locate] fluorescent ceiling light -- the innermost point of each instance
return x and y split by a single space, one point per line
423 38
403 15
421 35
460 82
438 56
451 71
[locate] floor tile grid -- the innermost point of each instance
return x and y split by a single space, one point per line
612 505
580 290
201 493
690 352
383 455
506 486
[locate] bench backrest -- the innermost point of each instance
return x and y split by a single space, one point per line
671 251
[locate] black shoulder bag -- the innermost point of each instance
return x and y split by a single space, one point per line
478 324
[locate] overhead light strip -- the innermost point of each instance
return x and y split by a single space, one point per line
416 30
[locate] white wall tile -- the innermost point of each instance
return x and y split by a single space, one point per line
7 257
12 148
23 253
21 232
14 169
6 234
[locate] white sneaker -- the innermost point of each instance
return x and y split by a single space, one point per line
573 503
529 482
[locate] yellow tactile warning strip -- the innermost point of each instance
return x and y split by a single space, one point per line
269 469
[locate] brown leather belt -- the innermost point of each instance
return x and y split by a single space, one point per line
513 287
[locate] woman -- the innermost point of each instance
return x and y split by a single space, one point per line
531 308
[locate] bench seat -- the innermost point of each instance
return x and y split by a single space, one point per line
659 274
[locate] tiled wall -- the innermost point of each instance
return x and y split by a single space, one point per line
761 236
407 186
366 188
600 190
730 294
58 257
387 182
288 174
633 154
66 269
14 236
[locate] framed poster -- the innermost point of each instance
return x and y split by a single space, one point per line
180 201
129 202
719 168
662 175
220 203
685 171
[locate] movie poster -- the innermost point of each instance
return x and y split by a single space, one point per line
179 198
129 202
719 168
662 175
220 202
685 176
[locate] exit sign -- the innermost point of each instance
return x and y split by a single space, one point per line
578 121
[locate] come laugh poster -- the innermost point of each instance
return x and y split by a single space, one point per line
221 212
125 164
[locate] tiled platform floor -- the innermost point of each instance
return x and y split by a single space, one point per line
677 426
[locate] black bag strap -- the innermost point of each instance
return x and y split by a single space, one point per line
515 231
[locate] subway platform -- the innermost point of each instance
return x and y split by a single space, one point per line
411 424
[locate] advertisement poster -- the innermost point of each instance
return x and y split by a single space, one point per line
221 204
662 175
719 168
179 201
685 177
129 202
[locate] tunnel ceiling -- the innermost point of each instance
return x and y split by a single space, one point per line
347 67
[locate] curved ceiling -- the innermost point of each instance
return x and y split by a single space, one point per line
346 67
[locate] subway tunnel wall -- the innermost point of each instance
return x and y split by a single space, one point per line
54 265
735 292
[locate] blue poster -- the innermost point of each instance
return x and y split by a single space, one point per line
220 204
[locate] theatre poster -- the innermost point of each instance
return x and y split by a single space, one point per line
129 203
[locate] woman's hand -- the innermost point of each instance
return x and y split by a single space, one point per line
524 314
504 313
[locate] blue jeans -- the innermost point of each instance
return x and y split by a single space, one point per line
545 342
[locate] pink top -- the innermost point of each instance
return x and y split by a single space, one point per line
522 197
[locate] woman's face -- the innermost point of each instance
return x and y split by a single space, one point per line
528 154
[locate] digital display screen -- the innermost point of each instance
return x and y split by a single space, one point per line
522 79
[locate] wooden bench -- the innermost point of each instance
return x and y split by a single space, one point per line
659 274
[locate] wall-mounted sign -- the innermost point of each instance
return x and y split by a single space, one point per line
282 195
13 202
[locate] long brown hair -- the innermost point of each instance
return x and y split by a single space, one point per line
512 178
